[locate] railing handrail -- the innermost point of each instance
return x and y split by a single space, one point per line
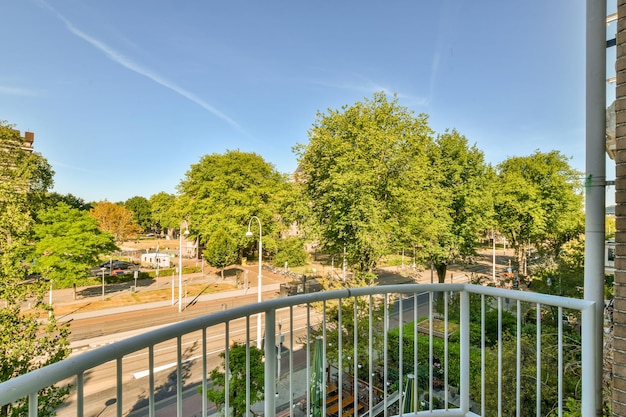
23 385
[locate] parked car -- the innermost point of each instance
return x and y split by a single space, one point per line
117 272
116 264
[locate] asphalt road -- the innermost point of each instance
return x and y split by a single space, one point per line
100 391
100 386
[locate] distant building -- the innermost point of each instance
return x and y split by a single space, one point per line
27 141
162 260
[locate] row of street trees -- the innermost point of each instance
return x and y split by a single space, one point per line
374 179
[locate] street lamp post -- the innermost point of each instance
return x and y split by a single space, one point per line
260 283
180 264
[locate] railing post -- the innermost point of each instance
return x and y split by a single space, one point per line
588 342
270 363
465 352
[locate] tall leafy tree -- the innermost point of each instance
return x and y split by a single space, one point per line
223 191
221 250
68 244
465 200
140 206
161 207
26 342
115 219
539 202
364 173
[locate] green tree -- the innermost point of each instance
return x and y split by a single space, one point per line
290 251
26 342
465 199
226 190
142 214
161 207
221 250
68 243
538 202
52 199
236 367
365 173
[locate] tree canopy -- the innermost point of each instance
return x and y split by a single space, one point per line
539 202
223 191
26 342
377 182
68 243
221 250
115 219
464 200
142 213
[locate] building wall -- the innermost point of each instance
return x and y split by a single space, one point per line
619 313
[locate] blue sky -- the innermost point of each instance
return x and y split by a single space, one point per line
123 96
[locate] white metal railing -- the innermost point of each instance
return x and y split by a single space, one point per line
366 360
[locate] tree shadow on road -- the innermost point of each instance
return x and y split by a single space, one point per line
167 390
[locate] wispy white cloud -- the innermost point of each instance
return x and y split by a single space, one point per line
16 91
126 62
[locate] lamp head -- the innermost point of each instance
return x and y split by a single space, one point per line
186 232
248 233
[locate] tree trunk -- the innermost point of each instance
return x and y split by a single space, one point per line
74 291
441 269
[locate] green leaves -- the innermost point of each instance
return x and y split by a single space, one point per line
539 201
68 243
223 191
236 367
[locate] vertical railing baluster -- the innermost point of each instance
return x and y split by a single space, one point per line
340 351
500 377
270 363
482 355
248 366
415 348
80 394
464 381
324 361
227 370
355 367
179 376
33 407
518 377
400 352
538 361
385 350
204 373
370 353
430 351
560 363
446 297
151 405
291 393
120 388
308 359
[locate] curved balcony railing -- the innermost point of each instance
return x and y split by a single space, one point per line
463 349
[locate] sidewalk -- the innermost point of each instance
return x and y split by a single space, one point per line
64 297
